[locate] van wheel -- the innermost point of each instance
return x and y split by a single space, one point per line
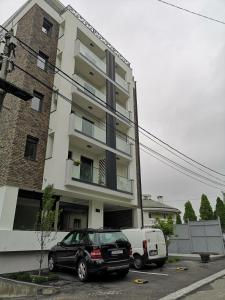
138 262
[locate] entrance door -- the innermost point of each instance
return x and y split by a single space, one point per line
86 169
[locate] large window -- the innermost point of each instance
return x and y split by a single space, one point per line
31 148
42 61
36 102
26 213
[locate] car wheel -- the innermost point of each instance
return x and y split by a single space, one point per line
138 262
51 264
122 273
82 270
160 263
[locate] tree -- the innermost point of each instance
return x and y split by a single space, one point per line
220 212
166 226
45 222
206 212
178 219
189 213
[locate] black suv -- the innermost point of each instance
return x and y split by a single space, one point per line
91 251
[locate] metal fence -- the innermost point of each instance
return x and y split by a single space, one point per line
199 236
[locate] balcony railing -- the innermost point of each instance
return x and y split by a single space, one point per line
94 176
121 110
90 56
89 129
123 145
89 89
124 184
121 82
97 176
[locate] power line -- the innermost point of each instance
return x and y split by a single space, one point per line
191 12
146 147
217 188
32 51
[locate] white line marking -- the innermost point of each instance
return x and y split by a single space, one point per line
160 274
194 286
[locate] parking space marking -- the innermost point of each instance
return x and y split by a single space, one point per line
149 273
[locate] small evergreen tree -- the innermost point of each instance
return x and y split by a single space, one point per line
178 219
189 213
220 212
45 223
206 212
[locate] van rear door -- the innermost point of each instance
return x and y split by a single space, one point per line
161 244
152 242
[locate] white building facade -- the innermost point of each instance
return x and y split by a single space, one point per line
88 149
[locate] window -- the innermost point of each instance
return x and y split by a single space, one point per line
42 61
46 27
70 155
26 213
31 148
36 102
76 223
150 215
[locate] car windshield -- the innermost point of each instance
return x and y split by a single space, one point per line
112 237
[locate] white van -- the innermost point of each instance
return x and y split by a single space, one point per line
148 246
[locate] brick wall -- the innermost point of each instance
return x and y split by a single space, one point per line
17 119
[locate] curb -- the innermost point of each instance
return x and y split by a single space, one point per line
187 290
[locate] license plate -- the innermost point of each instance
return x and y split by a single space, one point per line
153 252
116 252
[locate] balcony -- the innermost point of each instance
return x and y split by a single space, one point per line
122 82
89 129
122 111
97 176
89 89
123 145
124 184
90 56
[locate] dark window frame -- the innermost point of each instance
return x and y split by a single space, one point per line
46 27
28 152
41 98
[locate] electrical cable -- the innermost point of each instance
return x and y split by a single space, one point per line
117 112
191 12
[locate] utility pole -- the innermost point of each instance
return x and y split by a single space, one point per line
7 66
6 61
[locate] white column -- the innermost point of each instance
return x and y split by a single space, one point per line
95 214
8 201
137 218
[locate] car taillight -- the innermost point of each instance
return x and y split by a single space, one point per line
96 253
145 247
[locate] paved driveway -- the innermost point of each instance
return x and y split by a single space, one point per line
161 282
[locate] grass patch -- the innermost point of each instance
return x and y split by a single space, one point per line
28 277
173 259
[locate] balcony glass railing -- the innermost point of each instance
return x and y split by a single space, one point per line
89 89
123 145
93 175
121 110
89 129
124 184
97 176
121 82
93 58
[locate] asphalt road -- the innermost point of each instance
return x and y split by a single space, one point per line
161 282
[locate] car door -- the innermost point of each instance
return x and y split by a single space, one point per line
65 250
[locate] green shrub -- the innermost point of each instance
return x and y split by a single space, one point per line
21 276
171 260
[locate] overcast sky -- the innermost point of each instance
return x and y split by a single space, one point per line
178 61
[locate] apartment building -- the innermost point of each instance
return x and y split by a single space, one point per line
78 133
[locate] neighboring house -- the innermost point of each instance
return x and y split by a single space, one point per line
79 144
153 210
